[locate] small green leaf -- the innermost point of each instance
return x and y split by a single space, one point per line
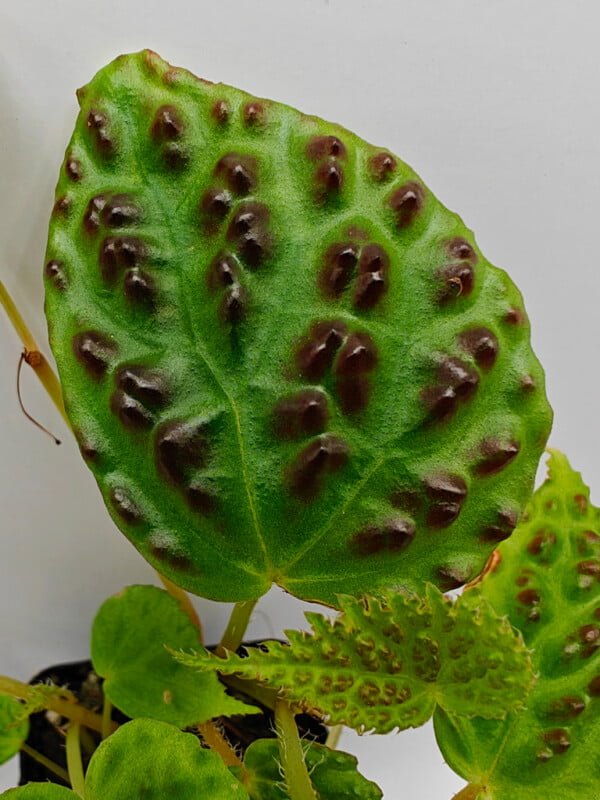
546 579
386 662
334 774
128 638
39 791
13 727
155 761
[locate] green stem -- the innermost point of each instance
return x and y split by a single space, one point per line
65 708
46 763
33 356
184 601
297 779
106 718
213 737
236 627
470 792
74 762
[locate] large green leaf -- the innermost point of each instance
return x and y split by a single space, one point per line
40 791
386 663
334 774
547 581
13 728
155 761
128 639
285 361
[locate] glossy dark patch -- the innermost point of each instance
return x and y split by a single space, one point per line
238 171
357 357
542 542
180 448
591 567
119 211
99 128
315 355
506 522
223 272
496 455
302 414
149 386
118 253
482 344
201 498
131 412
329 179
234 304
175 156
323 456
139 287
167 125
221 111
372 280
557 740
215 205
62 206
353 393
249 230
390 537
94 351
457 382
456 280
124 506
91 216
449 578
514 316
73 169
338 270
55 272
529 597
254 114
171 556
568 707
322 147
406 202
446 494
382 166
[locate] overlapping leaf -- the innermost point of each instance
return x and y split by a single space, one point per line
334 774
13 727
128 638
284 359
546 579
151 759
386 662
39 791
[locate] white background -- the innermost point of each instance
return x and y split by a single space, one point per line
494 102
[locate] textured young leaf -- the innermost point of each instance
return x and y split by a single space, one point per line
386 662
334 774
128 639
39 791
13 728
155 761
546 579
284 359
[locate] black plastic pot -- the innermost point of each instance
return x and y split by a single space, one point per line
46 737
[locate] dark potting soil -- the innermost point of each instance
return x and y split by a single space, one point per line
46 736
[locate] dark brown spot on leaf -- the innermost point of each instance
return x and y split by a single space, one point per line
91 216
201 498
456 280
505 524
358 356
568 707
167 125
496 456
482 344
390 537
139 287
382 166
238 171
353 393
62 206
130 411
223 272
514 316
315 356
233 304
254 113
98 126
557 740
594 687
589 633
149 386
340 262
541 543
221 111
329 179
215 204
120 211
174 558
301 414
442 514
95 351
448 493
324 455
406 202
54 271
250 232
322 147
460 376
181 447
461 249
73 169
124 506
591 567
449 578
118 253
529 597
175 156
